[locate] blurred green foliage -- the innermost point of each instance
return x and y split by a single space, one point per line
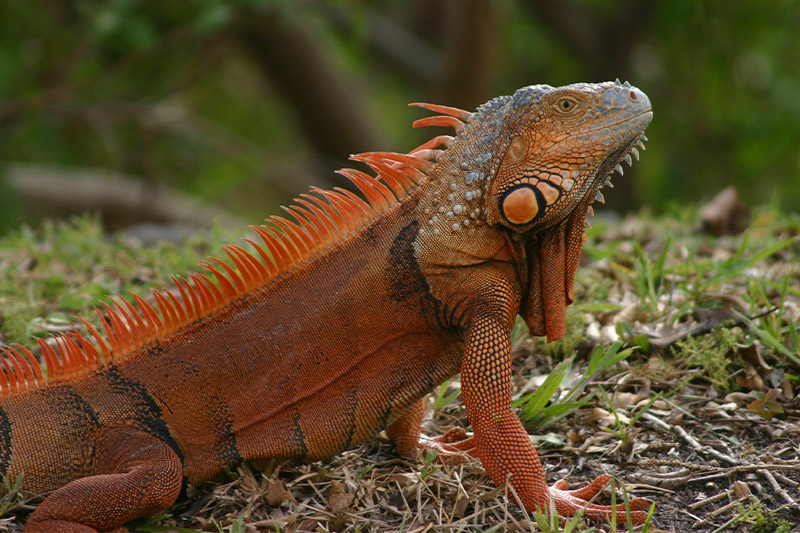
187 93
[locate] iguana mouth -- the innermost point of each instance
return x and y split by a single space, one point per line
613 163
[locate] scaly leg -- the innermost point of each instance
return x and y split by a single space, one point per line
136 475
502 443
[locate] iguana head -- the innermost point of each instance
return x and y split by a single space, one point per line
561 146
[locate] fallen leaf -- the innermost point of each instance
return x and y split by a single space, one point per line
751 354
278 493
338 522
676 419
656 406
625 400
339 499
724 214
776 379
741 489
750 380
740 398
574 437
788 389
460 508
765 406
308 525
598 415
628 314
403 479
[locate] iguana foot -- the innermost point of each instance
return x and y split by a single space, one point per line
568 502
453 446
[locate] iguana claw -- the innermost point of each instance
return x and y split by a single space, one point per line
568 502
453 446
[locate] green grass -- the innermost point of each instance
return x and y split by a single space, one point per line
758 519
532 406
624 425
661 273
710 356
57 272
13 496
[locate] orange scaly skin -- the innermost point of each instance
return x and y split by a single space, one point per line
336 324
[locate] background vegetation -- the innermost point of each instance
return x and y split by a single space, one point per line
245 103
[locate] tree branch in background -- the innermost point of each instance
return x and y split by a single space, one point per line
47 191
330 108
468 61
392 44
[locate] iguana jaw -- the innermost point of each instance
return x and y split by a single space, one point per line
613 163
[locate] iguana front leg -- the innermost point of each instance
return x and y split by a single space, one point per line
136 475
501 442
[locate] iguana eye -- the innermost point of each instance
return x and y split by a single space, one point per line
566 104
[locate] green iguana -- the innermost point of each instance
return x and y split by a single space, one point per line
336 324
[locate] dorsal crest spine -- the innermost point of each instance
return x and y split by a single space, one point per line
321 219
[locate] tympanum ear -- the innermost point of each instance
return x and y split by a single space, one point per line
518 147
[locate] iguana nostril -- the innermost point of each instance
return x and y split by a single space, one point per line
633 95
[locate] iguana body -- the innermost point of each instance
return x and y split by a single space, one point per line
337 325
